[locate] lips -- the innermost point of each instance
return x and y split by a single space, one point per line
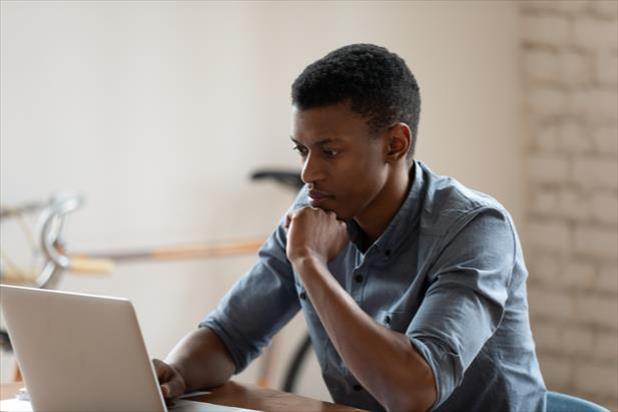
317 196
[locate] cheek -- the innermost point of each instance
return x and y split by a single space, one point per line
360 185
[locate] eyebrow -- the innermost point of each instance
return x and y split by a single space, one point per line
319 142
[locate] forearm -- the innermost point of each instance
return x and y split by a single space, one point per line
383 361
202 359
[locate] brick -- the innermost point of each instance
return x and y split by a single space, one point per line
596 173
597 379
595 104
605 8
593 33
577 274
576 68
556 370
596 241
604 207
570 7
574 139
547 335
549 236
546 30
544 202
606 346
547 102
607 278
573 205
543 267
551 304
597 310
573 6
607 67
547 168
542 65
606 140
577 341
548 138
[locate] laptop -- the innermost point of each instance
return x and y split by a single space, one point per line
80 352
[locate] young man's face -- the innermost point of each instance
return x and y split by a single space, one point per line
343 162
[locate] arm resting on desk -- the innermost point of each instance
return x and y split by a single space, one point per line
199 360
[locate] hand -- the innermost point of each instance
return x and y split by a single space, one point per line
314 233
172 383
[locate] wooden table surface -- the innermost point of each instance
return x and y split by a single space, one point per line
243 396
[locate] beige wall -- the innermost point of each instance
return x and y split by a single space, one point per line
157 112
569 61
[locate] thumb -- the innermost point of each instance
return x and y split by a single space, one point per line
165 390
174 387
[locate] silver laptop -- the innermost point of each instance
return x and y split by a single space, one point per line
80 352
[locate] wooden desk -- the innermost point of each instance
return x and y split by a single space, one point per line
243 396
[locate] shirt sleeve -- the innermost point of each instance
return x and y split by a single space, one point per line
466 296
259 304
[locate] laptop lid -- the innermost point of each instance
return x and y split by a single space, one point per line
80 352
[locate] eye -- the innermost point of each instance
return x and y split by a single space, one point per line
330 152
302 150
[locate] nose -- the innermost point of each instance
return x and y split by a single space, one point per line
312 170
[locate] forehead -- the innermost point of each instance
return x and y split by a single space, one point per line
332 122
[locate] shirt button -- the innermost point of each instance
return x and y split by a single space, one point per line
358 278
303 295
357 388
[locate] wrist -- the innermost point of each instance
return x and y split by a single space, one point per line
305 261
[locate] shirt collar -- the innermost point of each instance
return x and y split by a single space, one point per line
396 230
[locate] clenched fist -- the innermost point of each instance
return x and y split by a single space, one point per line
314 233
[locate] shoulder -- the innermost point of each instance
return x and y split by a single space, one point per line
449 205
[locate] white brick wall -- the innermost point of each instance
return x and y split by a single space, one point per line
590 31
605 8
578 275
575 138
569 52
598 241
549 236
549 168
547 101
606 67
597 310
597 379
552 30
594 172
600 105
604 207
607 346
606 140
607 278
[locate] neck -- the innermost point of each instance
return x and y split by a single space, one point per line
385 205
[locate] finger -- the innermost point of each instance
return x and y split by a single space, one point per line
159 367
175 387
165 390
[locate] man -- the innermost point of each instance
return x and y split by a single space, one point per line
412 286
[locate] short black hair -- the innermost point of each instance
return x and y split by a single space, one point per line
377 84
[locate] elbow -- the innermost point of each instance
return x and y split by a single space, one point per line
411 402
419 396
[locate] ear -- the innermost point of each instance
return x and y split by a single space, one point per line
398 140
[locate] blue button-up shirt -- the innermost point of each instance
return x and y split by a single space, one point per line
448 272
